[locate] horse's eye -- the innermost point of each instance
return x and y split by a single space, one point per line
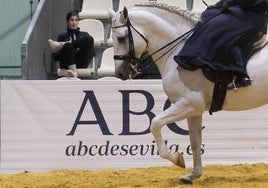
121 39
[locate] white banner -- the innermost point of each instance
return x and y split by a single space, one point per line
94 124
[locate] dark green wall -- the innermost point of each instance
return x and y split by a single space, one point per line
15 16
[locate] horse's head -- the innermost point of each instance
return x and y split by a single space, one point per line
165 26
129 45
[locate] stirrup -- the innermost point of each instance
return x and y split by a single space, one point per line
232 85
243 83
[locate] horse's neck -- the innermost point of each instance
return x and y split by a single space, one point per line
165 26
160 28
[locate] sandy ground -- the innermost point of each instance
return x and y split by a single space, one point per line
214 176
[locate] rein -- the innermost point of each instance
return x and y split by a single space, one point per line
179 39
132 60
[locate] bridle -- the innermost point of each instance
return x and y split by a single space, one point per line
132 60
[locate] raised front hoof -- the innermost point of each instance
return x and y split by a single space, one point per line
179 160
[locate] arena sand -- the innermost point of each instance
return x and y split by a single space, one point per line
214 176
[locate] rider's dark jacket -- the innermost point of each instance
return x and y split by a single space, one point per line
224 38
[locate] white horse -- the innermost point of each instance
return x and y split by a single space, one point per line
147 28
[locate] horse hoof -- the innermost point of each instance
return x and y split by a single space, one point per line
179 160
186 181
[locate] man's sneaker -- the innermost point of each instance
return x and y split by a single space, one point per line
55 46
71 73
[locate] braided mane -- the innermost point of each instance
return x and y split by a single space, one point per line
172 9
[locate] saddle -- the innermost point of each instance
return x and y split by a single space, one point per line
223 79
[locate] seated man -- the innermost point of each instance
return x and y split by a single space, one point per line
224 38
74 48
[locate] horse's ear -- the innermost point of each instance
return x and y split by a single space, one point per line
111 13
124 15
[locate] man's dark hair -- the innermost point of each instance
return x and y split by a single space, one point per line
70 14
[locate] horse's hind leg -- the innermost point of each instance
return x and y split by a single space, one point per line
195 131
176 112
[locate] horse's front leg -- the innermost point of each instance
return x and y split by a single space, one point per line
195 132
176 112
